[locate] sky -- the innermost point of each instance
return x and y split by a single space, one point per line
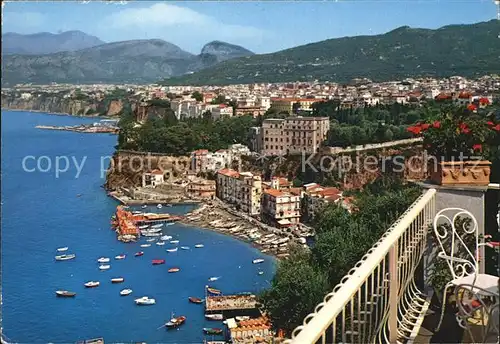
262 27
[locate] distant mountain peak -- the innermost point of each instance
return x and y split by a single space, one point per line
224 51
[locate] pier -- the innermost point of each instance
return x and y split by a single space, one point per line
230 303
93 129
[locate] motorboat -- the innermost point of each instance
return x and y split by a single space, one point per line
185 248
170 223
213 279
92 284
145 245
159 206
242 318
199 245
62 249
175 322
171 270
174 241
125 292
104 267
117 280
166 237
65 293
214 316
103 260
257 261
150 240
144 206
158 261
145 301
66 257
214 291
137 212
261 272
193 299
143 227
150 234
158 225
138 254
172 249
121 256
212 331
160 243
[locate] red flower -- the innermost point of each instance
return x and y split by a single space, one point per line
471 107
414 130
464 128
496 127
477 147
436 124
490 123
425 126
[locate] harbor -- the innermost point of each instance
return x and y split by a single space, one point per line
91 129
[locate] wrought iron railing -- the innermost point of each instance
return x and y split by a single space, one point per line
378 300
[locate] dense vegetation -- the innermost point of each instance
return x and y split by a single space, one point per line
342 239
467 50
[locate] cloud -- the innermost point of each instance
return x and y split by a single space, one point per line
22 22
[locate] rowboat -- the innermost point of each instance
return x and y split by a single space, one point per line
65 293
261 272
104 267
145 245
257 261
125 292
103 260
175 322
62 249
214 291
166 237
143 227
159 206
193 299
174 241
160 243
172 249
150 240
174 270
138 254
158 261
121 256
199 245
213 331
150 234
158 225
146 301
170 224
91 284
184 247
214 316
144 206
212 279
66 257
242 318
117 280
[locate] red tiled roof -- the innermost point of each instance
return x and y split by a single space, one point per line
200 152
274 192
228 172
464 95
157 172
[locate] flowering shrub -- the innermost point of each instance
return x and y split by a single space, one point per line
458 133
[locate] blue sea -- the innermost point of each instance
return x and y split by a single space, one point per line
41 212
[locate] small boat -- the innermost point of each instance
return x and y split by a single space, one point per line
91 284
212 279
104 267
170 223
125 292
214 316
193 299
175 322
166 237
242 318
145 245
65 293
62 249
172 249
79 195
174 241
257 261
144 206
159 206
117 280
184 247
145 301
121 256
171 270
150 234
160 243
151 240
138 254
143 227
137 212
212 331
199 245
103 260
261 272
66 257
158 261
158 225
214 291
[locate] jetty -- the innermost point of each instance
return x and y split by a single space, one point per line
230 303
93 129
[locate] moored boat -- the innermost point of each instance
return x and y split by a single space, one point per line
150 240
193 299
261 272
158 225
171 270
242 318
104 267
199 245
174 241
145 245
166 237
172 249
184 247
121 256
125 292
138 254
143 227
103 260
158 261
62 249
159 206
257 261
212 279
146 301
65 293
144 206
212 331
213 291
175 322
160 243
66 257
92 284
117 280
214 316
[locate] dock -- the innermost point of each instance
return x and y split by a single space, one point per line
230 303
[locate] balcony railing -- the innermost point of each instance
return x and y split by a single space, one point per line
378 300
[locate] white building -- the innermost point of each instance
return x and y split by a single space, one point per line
222 111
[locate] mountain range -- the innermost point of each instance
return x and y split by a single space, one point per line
468 50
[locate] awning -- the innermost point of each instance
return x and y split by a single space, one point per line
284 222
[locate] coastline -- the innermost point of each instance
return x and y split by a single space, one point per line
56 113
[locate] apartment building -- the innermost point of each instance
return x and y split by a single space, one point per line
255 139
294 135
204 161
242 189
280 208
281 105
201 189
221 111
316 197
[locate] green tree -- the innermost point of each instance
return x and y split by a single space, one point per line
197 96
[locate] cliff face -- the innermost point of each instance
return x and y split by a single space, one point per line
55 104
